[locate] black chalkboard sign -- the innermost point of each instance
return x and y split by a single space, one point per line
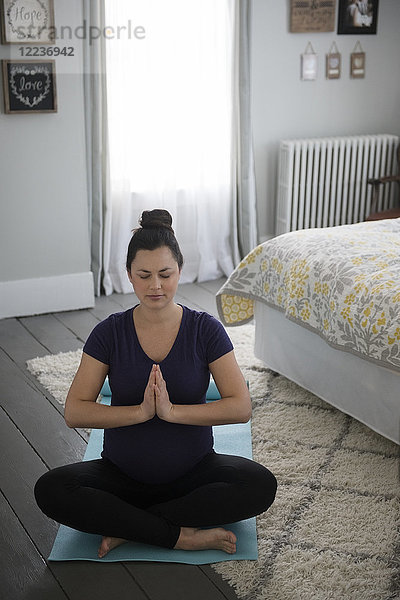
29 86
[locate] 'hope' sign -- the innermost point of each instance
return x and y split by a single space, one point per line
27 19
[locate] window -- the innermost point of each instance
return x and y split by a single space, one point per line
170 116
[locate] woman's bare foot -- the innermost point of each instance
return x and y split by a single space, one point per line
109 543
206 539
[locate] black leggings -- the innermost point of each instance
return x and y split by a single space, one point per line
96 497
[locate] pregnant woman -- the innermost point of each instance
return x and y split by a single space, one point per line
159 480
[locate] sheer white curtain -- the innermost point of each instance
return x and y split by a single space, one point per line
171 114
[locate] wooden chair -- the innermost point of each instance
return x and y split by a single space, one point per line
391 213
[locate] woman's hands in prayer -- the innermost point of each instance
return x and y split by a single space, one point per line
148 406
164 407
156 399
234 406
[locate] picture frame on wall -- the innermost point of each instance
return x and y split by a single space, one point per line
308 64
357 65
27 21
333 62
312 16
358 17
29 86
332 66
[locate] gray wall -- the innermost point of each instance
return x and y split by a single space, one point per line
285 107
43 187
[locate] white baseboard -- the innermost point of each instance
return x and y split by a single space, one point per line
46 294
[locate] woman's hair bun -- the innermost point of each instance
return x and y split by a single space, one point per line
155 231
158 218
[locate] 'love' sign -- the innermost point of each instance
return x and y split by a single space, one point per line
30 85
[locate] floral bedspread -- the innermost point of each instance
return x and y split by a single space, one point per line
341 282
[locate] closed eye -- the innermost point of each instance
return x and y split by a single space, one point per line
147 276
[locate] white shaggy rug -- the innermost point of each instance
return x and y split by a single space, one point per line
333 532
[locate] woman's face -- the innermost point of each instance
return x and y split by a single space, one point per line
155 276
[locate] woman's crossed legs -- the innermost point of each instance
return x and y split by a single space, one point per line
96 497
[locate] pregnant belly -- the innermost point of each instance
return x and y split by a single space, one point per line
157 452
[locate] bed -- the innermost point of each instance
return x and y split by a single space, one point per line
326 304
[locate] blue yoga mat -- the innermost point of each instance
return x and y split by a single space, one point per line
75 545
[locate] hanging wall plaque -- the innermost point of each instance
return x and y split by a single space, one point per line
357 62
312 15
29 86
333 63
27 21
308 68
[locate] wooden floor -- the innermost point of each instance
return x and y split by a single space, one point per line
34 438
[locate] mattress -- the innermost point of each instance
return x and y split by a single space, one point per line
368 392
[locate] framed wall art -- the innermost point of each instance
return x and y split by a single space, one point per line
27 21
358 17
308 64
333 62
357 62
29 86
312 15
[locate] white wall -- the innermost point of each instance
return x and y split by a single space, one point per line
44 245
286 107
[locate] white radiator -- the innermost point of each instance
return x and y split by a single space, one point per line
322 182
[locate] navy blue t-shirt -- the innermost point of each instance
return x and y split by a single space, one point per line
156 451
